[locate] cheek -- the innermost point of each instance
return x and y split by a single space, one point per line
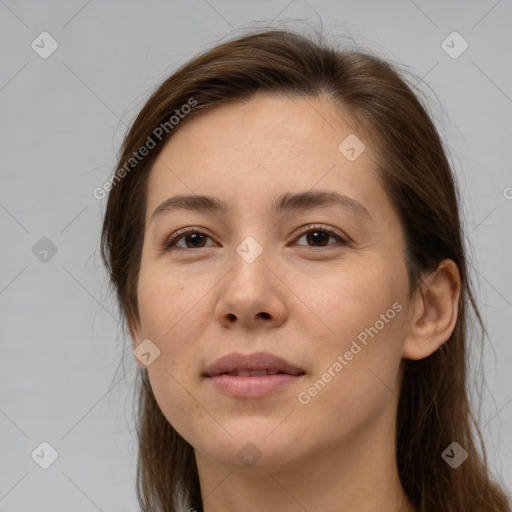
353 299
361 312
172 316
168 300
356 363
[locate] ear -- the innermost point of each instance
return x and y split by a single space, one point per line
136 336
434 311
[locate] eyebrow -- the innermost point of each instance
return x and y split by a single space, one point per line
285 202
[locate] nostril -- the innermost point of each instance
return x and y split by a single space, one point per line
264 315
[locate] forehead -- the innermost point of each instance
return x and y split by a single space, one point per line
249 152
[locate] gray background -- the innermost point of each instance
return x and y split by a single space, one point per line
63 118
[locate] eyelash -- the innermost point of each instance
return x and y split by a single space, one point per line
170 243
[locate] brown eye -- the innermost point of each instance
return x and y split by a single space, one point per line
192 239
318 236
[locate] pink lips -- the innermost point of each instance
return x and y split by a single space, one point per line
251 375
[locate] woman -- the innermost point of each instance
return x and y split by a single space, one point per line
283 235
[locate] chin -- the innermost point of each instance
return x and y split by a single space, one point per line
254 449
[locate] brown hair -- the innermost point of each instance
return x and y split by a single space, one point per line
434 407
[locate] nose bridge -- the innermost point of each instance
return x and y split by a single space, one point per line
250 250
252 234
249 271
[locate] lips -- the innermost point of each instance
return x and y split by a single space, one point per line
246 365
252 373
252 376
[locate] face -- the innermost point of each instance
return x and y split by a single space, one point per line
322 285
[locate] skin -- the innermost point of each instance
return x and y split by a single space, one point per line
196 304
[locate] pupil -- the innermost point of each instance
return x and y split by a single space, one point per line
317 237
194 236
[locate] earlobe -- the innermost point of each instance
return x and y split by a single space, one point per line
434 311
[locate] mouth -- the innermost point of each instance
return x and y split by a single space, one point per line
252 364
254 375
241 385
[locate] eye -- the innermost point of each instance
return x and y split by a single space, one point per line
192 236
319 234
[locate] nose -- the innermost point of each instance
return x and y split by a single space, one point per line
253 296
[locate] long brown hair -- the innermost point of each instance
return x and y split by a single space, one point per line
434 408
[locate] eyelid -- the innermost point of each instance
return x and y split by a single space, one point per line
321 227
180 233
170 241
